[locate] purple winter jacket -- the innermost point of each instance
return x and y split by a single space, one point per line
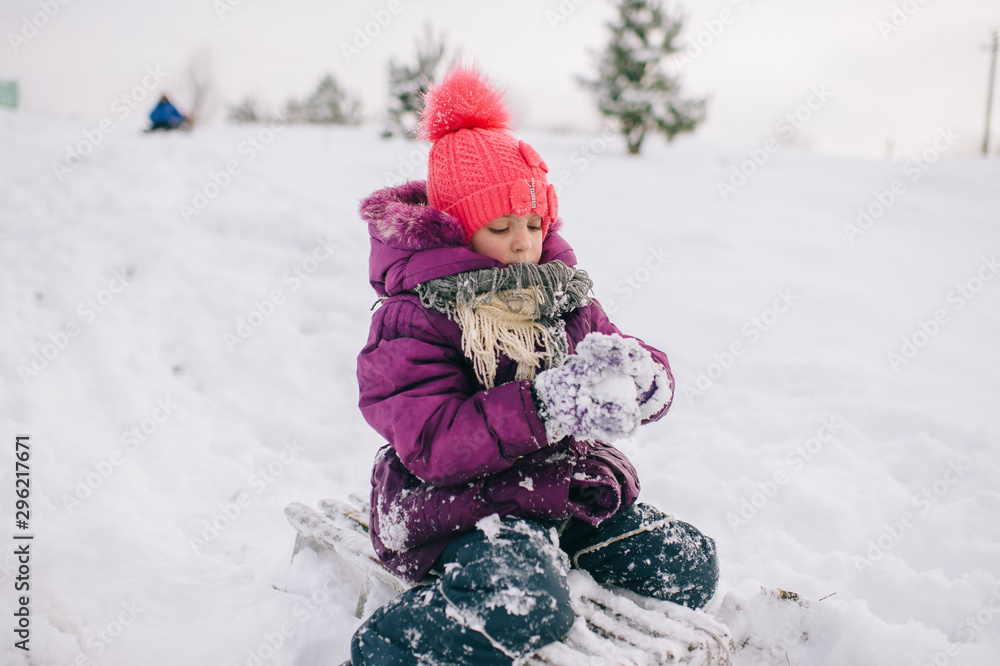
456 451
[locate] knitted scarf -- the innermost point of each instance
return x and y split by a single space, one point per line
516 311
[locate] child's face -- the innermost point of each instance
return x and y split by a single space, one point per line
510 239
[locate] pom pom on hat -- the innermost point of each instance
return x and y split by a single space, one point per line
476 171
465 99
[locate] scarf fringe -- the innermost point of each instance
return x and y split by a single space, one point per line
514 310
490 329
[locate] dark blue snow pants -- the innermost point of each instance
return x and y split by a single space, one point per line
502 592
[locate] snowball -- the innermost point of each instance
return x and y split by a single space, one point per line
595 393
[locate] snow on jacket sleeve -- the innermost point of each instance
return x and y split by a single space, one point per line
418 392
601 323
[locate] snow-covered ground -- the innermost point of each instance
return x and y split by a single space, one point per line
186 373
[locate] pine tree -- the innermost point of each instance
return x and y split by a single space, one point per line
631 85
409 82
246 111
328 104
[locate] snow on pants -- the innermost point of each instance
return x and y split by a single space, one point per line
503 593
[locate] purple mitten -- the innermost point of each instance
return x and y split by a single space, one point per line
603 391
586 401
627 356
656 397
624 355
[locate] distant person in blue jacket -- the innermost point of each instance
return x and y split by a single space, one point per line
166 116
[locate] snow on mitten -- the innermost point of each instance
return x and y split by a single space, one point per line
657 396
624 355
589 396
627 356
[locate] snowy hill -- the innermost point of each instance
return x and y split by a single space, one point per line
181 314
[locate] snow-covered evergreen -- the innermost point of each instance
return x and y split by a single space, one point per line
409 81
632 86
329 104
247 110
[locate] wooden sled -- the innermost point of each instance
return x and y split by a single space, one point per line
613 627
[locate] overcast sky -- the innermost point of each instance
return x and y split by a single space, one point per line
873 77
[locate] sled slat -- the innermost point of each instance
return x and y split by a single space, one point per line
337 507
348 543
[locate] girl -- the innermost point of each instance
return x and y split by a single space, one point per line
498 383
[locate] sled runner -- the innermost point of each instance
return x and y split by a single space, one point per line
612 626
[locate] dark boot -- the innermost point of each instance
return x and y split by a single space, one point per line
647 552
510 588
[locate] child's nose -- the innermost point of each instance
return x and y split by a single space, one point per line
522 239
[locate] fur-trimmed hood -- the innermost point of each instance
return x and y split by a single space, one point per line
412 242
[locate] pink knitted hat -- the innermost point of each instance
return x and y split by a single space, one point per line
476 171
